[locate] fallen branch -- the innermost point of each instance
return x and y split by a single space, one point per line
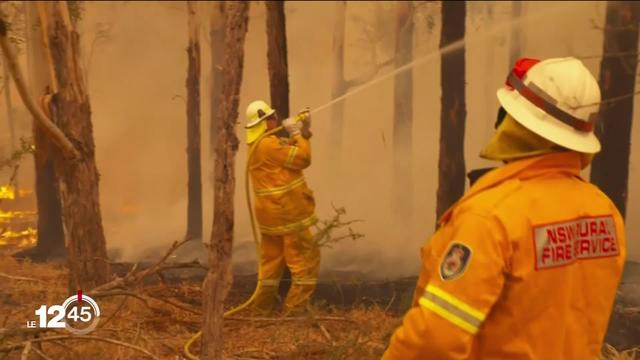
178 305
326 333
390 301
145 299
4 333
57 136
250 352
104 294
7 276
25 351
124 301
78 337
68 348
133 277
41 354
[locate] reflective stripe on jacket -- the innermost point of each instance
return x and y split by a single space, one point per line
283 201
525 266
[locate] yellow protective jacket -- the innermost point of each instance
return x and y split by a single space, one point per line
524 266
283 202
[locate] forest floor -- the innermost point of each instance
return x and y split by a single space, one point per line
162 329
159 317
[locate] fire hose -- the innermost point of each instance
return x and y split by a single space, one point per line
256 238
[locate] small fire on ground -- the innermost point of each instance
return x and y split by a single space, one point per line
17 220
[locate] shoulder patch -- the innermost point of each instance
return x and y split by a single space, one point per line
455 261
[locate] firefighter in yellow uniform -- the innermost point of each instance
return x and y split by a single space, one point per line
526 264
284 208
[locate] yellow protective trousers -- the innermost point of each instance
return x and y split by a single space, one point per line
301 254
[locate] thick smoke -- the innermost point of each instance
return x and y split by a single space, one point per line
137 69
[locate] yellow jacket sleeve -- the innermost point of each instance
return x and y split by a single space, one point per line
296 154
458 290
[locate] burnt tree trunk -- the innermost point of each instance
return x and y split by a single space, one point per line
218 281
194 202
50 243
403 112
451 167
278 78
9 106
216 34
610 168
71 112
516 37
277 58
338 85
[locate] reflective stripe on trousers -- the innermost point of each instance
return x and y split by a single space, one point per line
452 309
304 281
280 189
269 282
297 226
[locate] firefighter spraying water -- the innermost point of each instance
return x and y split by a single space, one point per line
284 207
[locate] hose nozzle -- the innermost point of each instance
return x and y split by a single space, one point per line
303 115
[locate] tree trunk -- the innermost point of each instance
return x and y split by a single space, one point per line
218 281
216 34
403 112
7 101
278 80
71 112
610 168
194 205
451 167
277 58
516 36
50 243
339 86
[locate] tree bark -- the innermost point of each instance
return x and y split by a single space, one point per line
216 34
218 280
610 168
70 110
7 101
451 166
11 60
50 232
278 79
277 58
194 205
403 112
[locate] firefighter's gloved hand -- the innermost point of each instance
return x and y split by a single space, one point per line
304 115
306 130
292 126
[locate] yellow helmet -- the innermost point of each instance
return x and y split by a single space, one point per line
257 111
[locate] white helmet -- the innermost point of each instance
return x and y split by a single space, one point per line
257 111
557 99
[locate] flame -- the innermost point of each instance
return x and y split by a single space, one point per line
17 225
7 216
19 238
7 192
